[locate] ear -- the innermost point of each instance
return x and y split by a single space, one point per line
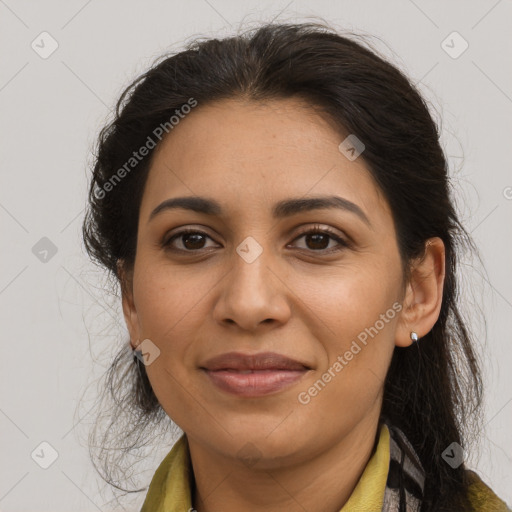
125 277
424 294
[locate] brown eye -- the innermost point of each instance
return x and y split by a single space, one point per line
318 240
193 240
190 240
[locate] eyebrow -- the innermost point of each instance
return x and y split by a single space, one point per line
282 209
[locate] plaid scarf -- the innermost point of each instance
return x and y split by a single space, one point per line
406 477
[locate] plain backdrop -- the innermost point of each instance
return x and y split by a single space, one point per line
63 65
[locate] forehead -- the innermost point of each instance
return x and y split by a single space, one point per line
250 155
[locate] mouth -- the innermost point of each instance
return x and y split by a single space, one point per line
253 375
254 383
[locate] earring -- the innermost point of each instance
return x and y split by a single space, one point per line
414 337
137 353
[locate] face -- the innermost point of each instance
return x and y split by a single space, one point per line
253 274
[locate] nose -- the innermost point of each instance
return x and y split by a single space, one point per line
253 295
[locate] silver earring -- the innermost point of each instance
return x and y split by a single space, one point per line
414 337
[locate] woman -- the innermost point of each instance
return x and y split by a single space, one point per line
276 209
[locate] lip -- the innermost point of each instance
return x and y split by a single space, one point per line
253 375
259 361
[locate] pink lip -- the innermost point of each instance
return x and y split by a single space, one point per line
256 383
260 361
269 372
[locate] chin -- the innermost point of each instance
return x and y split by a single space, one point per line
265 444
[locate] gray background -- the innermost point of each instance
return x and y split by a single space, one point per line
60 324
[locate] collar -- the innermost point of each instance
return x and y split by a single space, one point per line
170 488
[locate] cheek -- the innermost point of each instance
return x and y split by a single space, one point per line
169 309
349 301
166 300
353 316
356 335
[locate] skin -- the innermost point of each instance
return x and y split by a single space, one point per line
294 299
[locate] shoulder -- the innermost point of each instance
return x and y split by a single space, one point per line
482 497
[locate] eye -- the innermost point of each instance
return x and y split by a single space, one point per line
191 240
318 239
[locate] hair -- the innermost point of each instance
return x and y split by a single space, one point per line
433 389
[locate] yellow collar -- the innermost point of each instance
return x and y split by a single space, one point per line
170 488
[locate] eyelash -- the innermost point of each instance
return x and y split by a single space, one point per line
343 244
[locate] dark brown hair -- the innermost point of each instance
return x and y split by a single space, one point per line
433 388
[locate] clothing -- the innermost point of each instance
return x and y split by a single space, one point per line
378 490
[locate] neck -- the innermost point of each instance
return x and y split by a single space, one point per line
324 482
